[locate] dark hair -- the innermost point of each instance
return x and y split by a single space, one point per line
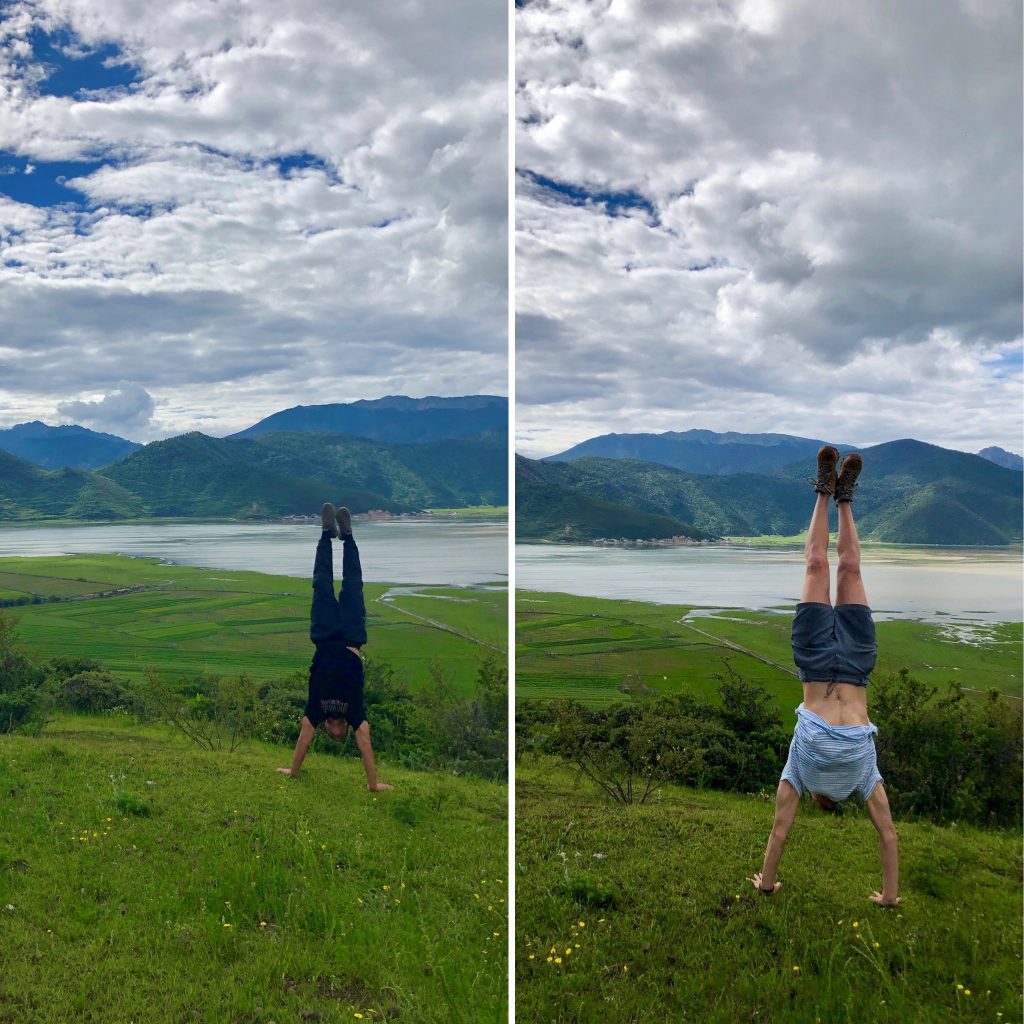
825 803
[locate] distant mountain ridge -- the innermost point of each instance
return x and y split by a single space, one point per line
394 418
1001 457
67 445
911 493
699 451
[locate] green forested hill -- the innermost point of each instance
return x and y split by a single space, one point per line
28 492
545 511
910 492
274 474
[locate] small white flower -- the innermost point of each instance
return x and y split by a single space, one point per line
599 856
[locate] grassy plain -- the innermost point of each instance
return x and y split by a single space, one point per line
688 939
144 880
185 620
590 648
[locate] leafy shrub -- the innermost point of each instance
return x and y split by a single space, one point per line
630 750
951 756
23 697
215 713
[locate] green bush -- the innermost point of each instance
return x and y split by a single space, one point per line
23 697
629 750
948 757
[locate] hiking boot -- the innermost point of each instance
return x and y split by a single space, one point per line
848 473
344 522
327 519
825 481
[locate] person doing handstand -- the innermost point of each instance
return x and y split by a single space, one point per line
337 627
833 753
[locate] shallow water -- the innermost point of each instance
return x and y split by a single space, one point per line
928 584
456 552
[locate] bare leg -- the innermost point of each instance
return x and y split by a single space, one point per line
787 800
816 582
888 846
849 583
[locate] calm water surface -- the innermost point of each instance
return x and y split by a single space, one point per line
458 552
932 584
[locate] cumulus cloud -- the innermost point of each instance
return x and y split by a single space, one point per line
126 409
301 202
769 216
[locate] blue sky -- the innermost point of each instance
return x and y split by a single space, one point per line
209 213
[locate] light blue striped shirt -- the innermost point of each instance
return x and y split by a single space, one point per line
833 760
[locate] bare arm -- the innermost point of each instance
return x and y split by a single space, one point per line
366 749
787 800
306 736
888 847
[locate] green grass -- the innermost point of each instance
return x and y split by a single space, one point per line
473 512
147 880
188 620
689 940
588 648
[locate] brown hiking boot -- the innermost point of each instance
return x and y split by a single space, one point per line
848 473
327 519
344 522
825 481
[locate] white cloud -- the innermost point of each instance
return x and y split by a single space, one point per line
371 261
127 409
805 217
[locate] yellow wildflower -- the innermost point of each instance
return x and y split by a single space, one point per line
558 959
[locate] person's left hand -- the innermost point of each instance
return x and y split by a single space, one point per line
286 771
756 880
877 897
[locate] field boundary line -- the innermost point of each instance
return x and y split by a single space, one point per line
736 647
438 625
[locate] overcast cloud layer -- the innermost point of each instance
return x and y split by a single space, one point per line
752 215
291 203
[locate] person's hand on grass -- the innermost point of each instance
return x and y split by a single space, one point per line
756 880
288 772
379 788
877 897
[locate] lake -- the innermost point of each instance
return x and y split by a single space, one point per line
930 584
457 552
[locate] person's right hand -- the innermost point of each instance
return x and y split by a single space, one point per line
379 788
756 880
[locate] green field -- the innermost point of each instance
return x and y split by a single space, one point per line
688 939
185 620
144 880
596 650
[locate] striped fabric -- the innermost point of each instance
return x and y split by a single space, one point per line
833 760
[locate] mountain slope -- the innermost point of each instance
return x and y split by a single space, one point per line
69 445
395 419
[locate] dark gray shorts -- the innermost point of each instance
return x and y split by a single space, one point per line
834 645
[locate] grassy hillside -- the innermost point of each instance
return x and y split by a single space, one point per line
688 939
596 650
144 880
186 620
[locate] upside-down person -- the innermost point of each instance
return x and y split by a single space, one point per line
832 754
338 629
